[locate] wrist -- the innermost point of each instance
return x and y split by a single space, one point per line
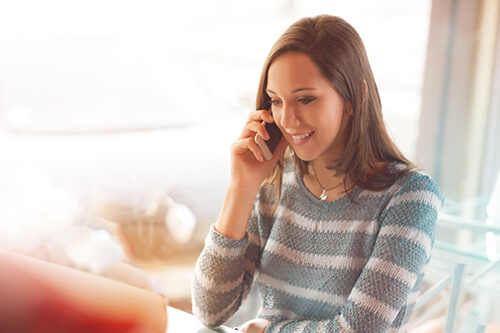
236 210
243 189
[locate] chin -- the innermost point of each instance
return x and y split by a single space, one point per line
304 155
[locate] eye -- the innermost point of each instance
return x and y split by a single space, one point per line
306 100
275 102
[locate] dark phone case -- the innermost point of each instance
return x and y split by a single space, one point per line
275 136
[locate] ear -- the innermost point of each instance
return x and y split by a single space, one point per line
349 109
366 90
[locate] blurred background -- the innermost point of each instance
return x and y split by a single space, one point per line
116 119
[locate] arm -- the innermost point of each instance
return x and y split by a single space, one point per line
386 290
225 269
247 172
222 278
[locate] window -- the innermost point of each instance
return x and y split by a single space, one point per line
119 104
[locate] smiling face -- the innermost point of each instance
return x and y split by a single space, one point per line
306 108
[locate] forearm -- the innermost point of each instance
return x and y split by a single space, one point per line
235 212
220 280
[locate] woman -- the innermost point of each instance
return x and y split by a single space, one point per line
339 226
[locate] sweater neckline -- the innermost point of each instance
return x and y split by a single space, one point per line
340 202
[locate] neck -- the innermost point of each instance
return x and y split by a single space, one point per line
327 179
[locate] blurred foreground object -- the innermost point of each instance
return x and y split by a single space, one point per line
180 221
39 296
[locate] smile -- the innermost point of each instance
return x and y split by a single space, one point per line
301 136
301 139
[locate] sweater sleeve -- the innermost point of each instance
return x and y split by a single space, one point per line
384 295
223 275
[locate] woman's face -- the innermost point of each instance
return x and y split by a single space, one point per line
306 108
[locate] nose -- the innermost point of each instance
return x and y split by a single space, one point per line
289 117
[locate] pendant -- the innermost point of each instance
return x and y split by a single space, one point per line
323 196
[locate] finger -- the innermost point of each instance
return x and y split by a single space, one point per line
252 127
260 115
255 149
259 128
246 145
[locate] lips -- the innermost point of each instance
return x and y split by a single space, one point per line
301 139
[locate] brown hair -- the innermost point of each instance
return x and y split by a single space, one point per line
338 51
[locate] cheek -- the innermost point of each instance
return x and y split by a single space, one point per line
333 123
331 116
337 120
277 119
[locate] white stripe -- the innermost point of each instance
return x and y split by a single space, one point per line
209 319
411 234
210 284
289 178
301 292
223 251
417 196
373 305
368 227
299 257
392 270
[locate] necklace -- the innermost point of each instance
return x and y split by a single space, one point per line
323 196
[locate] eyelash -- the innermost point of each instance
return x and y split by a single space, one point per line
275 102
303 101
306 100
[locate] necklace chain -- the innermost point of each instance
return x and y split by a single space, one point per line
323 196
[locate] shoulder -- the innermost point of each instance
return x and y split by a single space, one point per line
407 186
414 202
420 187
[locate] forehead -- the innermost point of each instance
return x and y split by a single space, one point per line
295 70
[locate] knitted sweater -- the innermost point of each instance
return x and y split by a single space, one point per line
339 266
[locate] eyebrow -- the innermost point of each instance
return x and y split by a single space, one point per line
293 91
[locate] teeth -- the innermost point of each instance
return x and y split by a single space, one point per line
300 137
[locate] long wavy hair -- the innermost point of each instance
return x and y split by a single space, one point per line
338 51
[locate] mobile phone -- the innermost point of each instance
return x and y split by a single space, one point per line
269 146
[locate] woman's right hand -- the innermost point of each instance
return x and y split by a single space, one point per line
248 171
248 166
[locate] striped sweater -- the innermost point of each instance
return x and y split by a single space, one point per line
342 266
